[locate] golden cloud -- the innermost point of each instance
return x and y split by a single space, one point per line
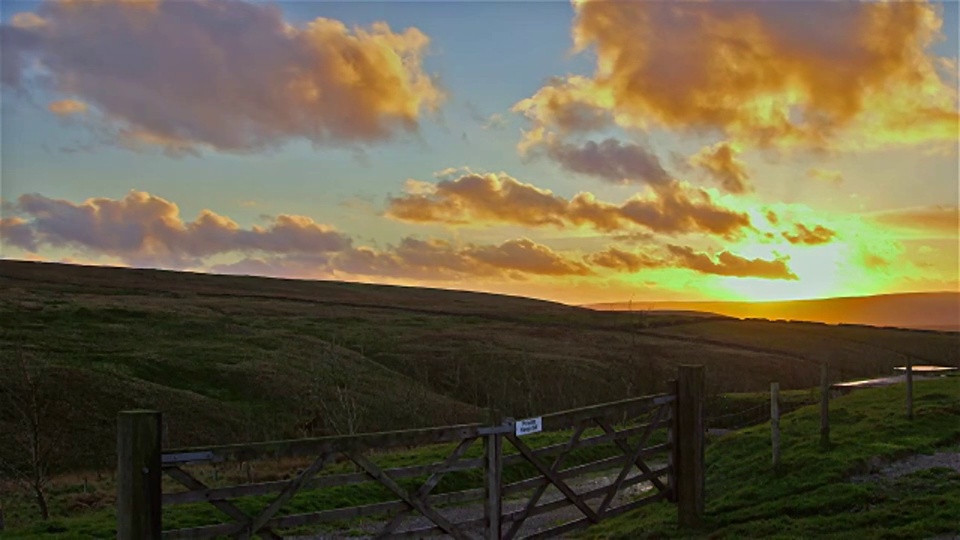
728 264
187 75
477 200
811 237
720 162
820 75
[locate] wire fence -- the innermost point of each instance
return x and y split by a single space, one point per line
733 414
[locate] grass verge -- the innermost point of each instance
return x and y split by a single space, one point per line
811 495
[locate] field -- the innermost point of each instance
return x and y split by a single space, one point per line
241 358
854 489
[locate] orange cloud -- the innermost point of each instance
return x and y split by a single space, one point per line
475 200
617 259
821 75
811 237
720 161
728 264
526 256
187 75
929 220
65 107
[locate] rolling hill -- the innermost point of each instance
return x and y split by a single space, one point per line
230 358
930 311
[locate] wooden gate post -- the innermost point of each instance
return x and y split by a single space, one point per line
492 478
690 444
824 405
673 458
775 423
909 388
138 475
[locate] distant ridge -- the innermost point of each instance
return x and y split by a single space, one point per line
924 310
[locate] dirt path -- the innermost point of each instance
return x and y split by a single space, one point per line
532 525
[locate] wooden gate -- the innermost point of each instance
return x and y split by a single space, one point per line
651 442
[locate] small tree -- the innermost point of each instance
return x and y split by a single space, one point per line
38 423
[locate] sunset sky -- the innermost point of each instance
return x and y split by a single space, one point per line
589 152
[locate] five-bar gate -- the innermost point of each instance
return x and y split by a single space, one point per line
582 468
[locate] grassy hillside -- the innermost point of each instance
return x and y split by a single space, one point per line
840 492
928 310
243 358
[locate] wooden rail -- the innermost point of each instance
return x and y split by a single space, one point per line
613 437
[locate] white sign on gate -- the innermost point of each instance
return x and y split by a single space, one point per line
529 425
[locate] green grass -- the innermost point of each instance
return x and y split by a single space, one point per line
811 495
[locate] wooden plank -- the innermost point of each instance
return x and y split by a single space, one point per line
138 475
334 480
599 465
493 479
775 423
909 388
425 509
554 479
672 430
824 405
535 497
288 492
427 486
226 507
594 493
635 459
631 407
325 445
690 442
633 505
595 440
625 448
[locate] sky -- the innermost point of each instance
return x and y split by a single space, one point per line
593 151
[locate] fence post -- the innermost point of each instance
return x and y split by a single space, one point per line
909 388
824 405
775 423
138 475
690 438
672 429
493 474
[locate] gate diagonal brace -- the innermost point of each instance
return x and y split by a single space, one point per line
227 507
424 508
427 486
552 477
288 492
535 498
629 451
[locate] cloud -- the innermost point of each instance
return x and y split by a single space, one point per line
728 264
526 256
233 76
17 232
720 161
142 228
822 75
476 200
811 237
610 161
932 221
617 259
66 107
826 175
